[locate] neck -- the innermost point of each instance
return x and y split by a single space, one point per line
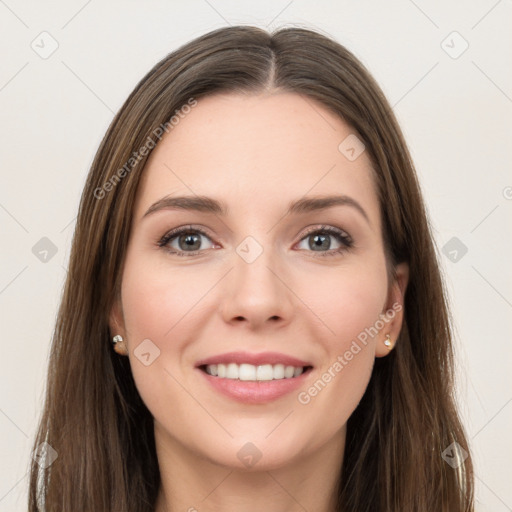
194 484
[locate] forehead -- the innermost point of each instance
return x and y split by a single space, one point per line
262 149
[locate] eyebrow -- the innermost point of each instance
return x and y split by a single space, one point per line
209 205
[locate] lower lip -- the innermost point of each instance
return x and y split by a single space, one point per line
255 392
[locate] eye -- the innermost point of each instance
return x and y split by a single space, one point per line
189 241
319 239
184 241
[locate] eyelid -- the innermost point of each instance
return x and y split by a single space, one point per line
343 237
328 229
346 239
173 233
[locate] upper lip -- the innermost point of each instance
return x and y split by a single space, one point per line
254 359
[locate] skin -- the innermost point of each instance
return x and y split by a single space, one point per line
256 153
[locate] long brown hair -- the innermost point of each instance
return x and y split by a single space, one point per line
93 416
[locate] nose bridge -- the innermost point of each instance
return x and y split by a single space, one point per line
256 285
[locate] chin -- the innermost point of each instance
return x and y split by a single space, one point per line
244 455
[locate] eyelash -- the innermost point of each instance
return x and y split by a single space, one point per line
342 237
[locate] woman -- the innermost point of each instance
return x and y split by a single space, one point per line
253 317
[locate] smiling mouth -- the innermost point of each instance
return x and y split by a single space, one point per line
249 372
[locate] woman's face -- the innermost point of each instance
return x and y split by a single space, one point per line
262 283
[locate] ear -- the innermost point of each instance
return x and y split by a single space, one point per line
393 313
116 326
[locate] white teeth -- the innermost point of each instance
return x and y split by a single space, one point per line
232 371
212 369
278 371
247 372
297 372
288 372
250 372
265 372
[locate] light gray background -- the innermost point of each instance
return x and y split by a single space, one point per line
455 113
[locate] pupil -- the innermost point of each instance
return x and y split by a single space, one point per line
321 238
191 240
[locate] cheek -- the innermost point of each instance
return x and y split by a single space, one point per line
347 300
156 298
333 395
156 305
349 304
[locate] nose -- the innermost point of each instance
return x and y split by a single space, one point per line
257 293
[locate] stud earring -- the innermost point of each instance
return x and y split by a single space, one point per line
388 342
119 345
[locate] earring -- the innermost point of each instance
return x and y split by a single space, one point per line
388 342
119 345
